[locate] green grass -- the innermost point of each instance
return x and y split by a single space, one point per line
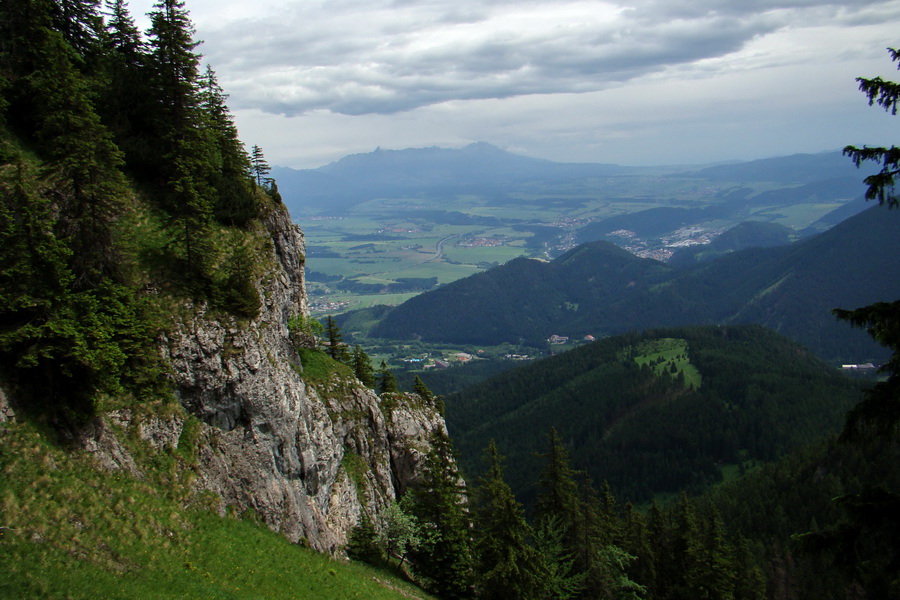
663 353
76 531
318 367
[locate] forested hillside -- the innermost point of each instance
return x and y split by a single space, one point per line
128 207
121 174
661 411
599 289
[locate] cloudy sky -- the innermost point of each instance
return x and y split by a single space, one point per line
633 82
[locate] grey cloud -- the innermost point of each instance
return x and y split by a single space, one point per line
372 58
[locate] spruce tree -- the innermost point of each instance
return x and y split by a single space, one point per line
422 390
184 149
125 100
659 531
688 552
443 560
887 95
363 542
506 565
362 367
80 23
865 544
259 167
636 541
84 165
562 582
337 349
235 201
558 495
387 383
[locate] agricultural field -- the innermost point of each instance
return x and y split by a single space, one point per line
378 238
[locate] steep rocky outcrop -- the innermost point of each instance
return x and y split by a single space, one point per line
307 459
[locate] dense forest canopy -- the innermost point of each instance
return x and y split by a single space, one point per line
123 183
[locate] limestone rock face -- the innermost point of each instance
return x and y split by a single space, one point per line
307 459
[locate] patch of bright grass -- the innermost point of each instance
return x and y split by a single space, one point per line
318 367
663 353
72 530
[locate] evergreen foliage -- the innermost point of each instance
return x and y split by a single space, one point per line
443 560
864 541
758 397
507 566
90 113
363 542
887 95
362 367
337 349
387 383
259 168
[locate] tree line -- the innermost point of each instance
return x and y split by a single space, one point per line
122 179
578 542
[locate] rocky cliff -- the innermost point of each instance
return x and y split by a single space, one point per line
308 459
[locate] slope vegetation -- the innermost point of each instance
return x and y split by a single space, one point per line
659 411
71 530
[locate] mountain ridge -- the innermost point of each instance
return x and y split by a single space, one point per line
791 289
689 398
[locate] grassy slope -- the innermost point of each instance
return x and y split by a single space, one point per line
71 530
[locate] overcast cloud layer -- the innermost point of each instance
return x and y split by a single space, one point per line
633 82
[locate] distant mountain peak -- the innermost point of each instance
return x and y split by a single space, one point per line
484 147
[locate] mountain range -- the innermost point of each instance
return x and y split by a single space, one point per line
432 171
485 169
599 289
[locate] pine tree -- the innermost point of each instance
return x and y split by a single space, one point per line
865 543
49 96
174 62
562 582
337 349
235 201
84 165
506 566
258 165
236 292
659 531
879 412
558 496
363 542
125 100
717 576
636 541
185 151
65 343
80 24
422 390
443 560
362 367
749 582
387 383
122 35
688 552
887 95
